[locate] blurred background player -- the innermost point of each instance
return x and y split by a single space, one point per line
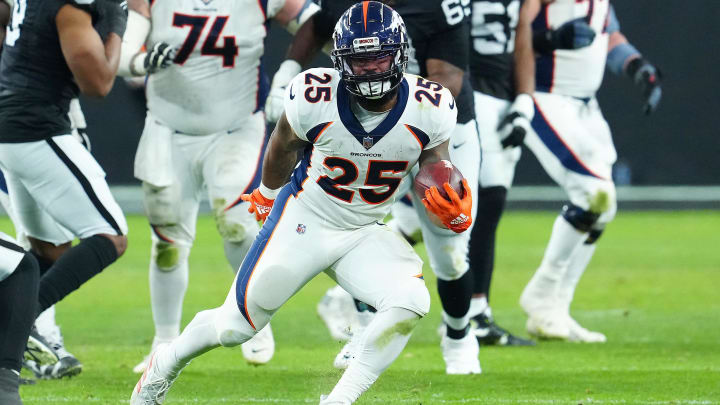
502 130
45 323
75 198
343 119
438 51
19 275
572 141
205 129
46 326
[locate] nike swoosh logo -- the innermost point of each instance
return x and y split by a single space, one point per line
452 105
292 96
257 350
458 145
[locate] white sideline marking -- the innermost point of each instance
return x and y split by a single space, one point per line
54 399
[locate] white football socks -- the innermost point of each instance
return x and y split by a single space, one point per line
456 323
578 263
383 341
47 327
540 293
167 291
197 338
478 306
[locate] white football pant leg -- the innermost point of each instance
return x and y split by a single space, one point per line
382 270
233 167
498 164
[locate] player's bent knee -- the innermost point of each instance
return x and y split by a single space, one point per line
414 297
233 329
167 256
593 236
449 260
234 226
607 216
579 218
119 241
48 250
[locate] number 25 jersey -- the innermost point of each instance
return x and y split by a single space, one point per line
216 80
349 175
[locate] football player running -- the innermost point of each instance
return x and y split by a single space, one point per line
572 141
361 128
438 50
46 326
204 131
52 51
491 66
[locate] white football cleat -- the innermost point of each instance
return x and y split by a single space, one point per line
461 355
153 386
337 310
582 335
261 348
140 367
548 325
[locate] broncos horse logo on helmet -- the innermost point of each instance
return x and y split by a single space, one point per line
370 31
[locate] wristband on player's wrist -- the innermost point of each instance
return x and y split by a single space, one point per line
137 64
268 193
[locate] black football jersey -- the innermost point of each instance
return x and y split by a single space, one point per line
36 84
493 46
437 30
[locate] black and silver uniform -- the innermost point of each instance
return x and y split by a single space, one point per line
436 31
36 84
493 46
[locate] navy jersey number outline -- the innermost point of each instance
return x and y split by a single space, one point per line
350 172
210 47
321 92
435 87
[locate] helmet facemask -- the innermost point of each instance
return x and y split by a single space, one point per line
371 63
386 70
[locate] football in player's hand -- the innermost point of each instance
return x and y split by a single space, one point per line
436 174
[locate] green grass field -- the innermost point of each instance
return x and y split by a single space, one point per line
653 288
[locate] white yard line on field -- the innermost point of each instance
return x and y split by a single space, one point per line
585 401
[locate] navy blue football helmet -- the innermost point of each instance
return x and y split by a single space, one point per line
370 30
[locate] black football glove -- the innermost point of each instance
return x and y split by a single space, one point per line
574 34
647 77
159 57
111 17
516 124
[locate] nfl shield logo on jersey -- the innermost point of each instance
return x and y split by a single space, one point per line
368 142
301 229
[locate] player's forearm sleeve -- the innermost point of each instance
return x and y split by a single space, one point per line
620 56
138 28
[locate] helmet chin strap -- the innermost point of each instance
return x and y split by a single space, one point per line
373 90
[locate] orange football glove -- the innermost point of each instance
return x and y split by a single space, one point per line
259 205
455 214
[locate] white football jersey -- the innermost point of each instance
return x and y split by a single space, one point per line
576 73
217 79
349 175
